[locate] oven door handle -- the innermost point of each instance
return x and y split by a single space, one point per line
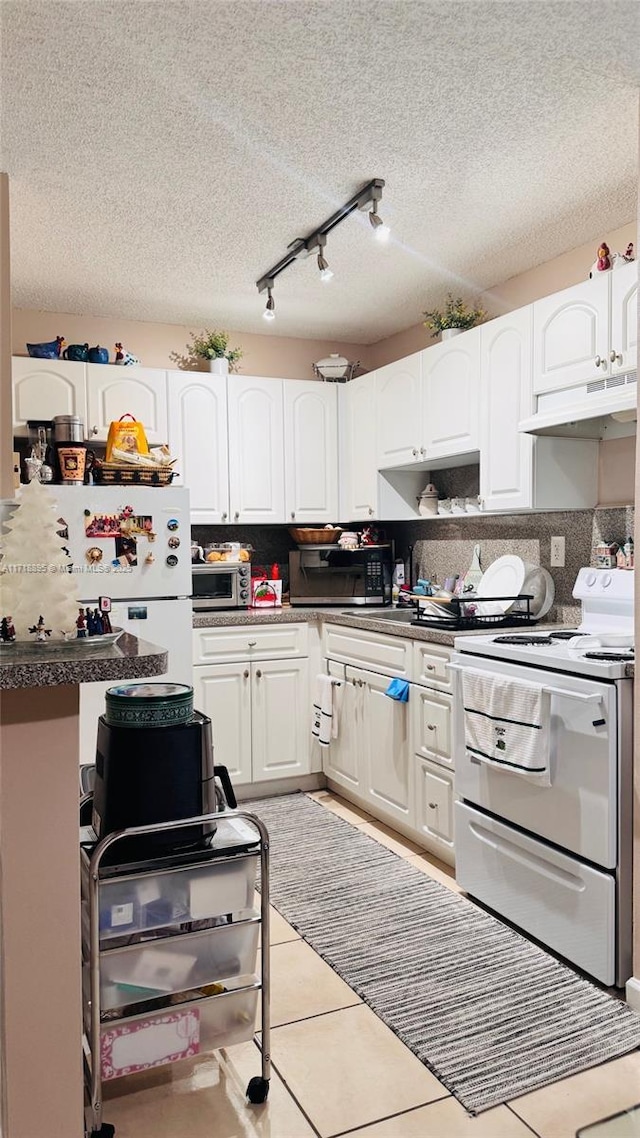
582 697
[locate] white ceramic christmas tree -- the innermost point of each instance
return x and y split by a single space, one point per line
34 568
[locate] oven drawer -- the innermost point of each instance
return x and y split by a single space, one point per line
568 906
224 645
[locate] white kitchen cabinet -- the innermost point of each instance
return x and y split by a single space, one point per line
571 335
386 750
342 758
398 412
45 388
358 449
451 397
431 727
310 451
623 353
253 682
506 456
256 449
198 441
113 390
434 797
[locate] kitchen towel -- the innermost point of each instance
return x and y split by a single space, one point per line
506 724
324 723
398 689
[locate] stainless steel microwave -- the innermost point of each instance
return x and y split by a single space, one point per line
328 575
220 585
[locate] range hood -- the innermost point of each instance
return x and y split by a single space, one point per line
589 410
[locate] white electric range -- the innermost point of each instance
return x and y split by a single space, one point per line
556 860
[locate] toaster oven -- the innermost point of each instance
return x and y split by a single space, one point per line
220 585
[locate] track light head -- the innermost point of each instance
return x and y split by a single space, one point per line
381 231
325 271
270 308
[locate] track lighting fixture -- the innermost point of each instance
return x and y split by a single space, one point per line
380 230
323 265
366 198
270 307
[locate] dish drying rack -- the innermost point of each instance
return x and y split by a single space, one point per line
464 617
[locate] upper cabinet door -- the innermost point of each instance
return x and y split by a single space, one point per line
311 451
113 390
398 395
256 449
451 383
624 318
44 388
506 457
571 336
198 442
358 450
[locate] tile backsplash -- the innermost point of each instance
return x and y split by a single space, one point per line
445 546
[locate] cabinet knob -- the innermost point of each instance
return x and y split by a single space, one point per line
245 674
360 683
415 452
236 515
94 430
432 805
258 674
293 515
252 643
430 667
431 726
224 516
422 451
370 511
599 362
615 357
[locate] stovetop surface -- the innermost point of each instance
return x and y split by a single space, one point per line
560 650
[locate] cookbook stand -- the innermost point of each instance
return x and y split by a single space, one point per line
169 954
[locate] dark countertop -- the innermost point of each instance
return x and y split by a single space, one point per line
49 665
358 618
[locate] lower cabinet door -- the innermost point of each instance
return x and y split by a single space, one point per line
223 692
281 718
432 724
386 750
341 759
433 795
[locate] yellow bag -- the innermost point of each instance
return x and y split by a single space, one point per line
127 437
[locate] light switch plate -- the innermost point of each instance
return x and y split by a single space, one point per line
557 552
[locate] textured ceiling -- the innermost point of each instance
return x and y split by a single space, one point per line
163 154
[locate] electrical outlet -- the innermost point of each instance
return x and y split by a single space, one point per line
557 552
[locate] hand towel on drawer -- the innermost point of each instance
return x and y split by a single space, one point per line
324 725
506 724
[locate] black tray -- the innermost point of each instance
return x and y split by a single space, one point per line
464 618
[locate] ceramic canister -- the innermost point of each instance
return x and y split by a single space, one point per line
149 705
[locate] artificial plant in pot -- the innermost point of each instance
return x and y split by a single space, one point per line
213 346
454 318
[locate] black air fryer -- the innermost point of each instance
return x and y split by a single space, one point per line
155 773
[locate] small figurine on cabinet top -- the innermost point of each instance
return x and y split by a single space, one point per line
81 625
125 358
628 254
607 260
40 630
7 631
604 258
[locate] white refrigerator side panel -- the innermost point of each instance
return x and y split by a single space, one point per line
167 623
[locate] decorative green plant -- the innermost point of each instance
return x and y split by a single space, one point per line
455 315
211 345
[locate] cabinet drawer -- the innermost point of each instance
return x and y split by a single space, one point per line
244 642
158 900
157 968
431 724
387 654
181 1031
434 803
430 665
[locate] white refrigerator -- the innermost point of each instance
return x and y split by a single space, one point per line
132 544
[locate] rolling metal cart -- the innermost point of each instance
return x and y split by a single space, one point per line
169 954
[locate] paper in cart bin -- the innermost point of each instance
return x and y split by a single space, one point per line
119 916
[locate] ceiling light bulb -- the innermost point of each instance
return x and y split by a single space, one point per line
381 231
269 312
326 275
325 272
382 234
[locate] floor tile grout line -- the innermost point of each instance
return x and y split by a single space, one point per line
289 1091
318 1015
523 1120
389 1117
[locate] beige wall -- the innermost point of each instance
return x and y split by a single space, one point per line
154 344
561 272
6 446
616 471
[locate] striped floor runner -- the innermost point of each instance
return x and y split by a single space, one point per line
491 1014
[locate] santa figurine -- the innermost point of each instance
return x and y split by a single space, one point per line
81 625
7 631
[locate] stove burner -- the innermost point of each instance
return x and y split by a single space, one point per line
523 639
614 657
566 635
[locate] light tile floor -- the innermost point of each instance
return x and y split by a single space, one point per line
338 1069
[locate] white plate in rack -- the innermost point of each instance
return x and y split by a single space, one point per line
504 578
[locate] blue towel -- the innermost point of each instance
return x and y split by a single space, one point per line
398 689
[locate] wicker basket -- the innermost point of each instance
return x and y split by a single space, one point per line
110 474
308 535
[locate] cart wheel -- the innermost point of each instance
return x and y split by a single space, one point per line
105 1131
258 1089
